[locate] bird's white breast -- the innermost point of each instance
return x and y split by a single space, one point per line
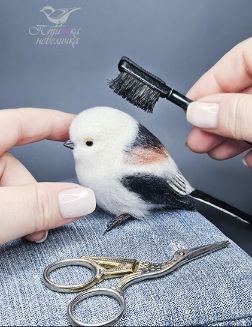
110 193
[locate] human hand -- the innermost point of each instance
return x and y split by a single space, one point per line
223 111
28 208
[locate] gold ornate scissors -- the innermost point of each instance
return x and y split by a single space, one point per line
132 270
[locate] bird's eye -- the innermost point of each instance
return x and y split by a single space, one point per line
89 142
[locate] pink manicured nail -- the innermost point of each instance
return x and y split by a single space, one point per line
203 115
76 202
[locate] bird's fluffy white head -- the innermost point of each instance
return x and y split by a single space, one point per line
100 133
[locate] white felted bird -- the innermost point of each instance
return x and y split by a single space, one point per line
127 167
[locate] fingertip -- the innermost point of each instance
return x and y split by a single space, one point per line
37 237
38 209
200 141
41 240
203 114
247 160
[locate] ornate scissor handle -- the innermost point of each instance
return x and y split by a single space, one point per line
113 292
72 262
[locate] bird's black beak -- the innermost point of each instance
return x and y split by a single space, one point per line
69 144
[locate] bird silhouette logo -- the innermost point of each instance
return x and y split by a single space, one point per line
58 16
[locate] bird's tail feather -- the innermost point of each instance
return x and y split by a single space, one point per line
221 205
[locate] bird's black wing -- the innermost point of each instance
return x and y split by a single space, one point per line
157 191
146 139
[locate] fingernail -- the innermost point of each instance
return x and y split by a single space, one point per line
76 202
203 115
244 162
43 238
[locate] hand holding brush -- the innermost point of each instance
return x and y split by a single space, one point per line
222 111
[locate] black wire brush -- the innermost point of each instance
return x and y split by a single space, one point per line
142 88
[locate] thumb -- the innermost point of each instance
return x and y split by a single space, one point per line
228 115
36 207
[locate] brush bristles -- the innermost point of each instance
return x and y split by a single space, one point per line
134 91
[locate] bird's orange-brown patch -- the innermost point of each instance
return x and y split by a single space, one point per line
143 156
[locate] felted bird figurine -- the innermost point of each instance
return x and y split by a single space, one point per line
58 16
129 169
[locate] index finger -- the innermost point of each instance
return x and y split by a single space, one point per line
27 125
232 73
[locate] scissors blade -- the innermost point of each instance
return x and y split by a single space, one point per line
200 251
153 270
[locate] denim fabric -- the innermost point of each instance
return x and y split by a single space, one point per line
215 290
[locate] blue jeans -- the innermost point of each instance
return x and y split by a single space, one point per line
215 290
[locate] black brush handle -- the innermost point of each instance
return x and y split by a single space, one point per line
179 99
